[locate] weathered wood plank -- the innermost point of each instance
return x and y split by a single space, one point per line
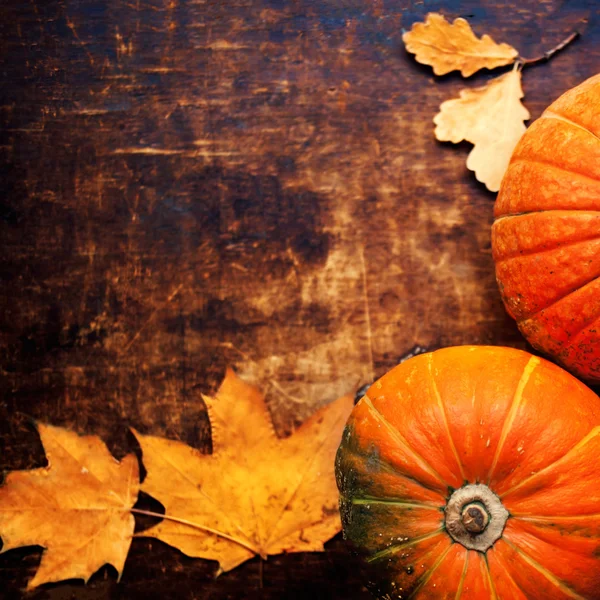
189 184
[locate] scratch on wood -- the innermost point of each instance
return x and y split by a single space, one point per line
26 129
239 267
230 346
224 45
171 151
91 111
278 387
119 76
208 142
147 150
161 70
71 26
170 299
123 48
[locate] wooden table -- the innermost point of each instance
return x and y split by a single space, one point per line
194 183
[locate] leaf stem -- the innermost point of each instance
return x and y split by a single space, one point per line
149 513
527 62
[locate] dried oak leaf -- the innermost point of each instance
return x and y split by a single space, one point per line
490 117
453 46
77 508
256 493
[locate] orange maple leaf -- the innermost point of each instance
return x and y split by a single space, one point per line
77 508
256 493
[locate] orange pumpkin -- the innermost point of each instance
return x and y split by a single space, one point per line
546 236
471 472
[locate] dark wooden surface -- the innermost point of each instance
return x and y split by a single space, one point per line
194 183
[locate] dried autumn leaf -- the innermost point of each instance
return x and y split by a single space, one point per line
490 117
77 508
453 46
256 493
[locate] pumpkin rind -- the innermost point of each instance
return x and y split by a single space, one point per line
546 236
500 418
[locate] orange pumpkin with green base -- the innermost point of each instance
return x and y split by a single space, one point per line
546 236
471 472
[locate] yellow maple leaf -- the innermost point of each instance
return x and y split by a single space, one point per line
77 508
453 46
256 493
490 117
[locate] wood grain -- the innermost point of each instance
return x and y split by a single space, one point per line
191 184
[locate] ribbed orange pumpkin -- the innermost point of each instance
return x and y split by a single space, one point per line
546 237
472 472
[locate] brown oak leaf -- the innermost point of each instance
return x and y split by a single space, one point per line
490 117
453 46
77 508
256 493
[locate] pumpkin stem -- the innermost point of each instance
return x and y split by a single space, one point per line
475 517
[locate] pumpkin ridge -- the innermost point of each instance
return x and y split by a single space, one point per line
444 416
393 501
554 464
462 578
553 579
587 199
518 214
532 363
560 299
572 335
577 334
525 213
391 470
574 563
527 253
428 574
488 574
401 440
397 547
547 163
505 570
549 114
551 518
542 529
